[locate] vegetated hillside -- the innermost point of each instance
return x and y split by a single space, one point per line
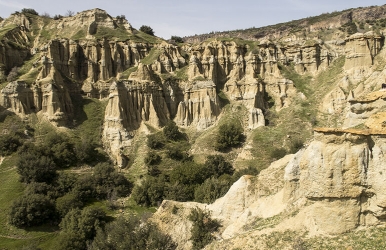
103 124
351 20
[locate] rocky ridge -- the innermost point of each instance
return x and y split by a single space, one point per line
95 67
331 186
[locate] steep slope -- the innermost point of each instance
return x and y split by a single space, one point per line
280 86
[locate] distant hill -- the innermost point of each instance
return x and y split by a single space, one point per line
351 20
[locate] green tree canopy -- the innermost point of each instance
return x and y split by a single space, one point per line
147 29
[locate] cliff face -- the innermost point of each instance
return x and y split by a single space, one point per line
332 186
130 103
49 96
13 50
362 48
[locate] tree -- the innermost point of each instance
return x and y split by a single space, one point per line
203 227
9 143
171 131
155 141
29 11
131 233
60 148
217 165
34 167
80 226
150 192
57 16
152 158
31 210
147 29
177 39
212 189
69 13
229 135
68 202
107 180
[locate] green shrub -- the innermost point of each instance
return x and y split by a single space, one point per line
217 166
229 135
9 143
278 153
31 210
80 226
212 189
246 171
67 202
177 39
147 29
152 158
150 192
176 153
155 141
132 233
203 227
34 167
107 181
29 11
295 146
171 131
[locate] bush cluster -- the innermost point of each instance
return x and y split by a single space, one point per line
29 11
186 181
229 135
49 196
131 233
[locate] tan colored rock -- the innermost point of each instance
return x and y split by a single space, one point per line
200 106
52 99
18 98
131 103
256 118
361 108
361 49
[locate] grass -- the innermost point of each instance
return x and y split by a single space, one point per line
182 73
302 83
80 34
205 140
28 72
290 127
6 29
119 33
152 56
89 117
10 236
127 72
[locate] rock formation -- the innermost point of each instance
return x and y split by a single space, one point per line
49 96
362 48
335 185
200 106
17 97
129 104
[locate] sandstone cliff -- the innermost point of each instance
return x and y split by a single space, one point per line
330 187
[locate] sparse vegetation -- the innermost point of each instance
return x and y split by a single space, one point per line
203 227
29 11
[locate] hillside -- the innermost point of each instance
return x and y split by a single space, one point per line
266 138
349 21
